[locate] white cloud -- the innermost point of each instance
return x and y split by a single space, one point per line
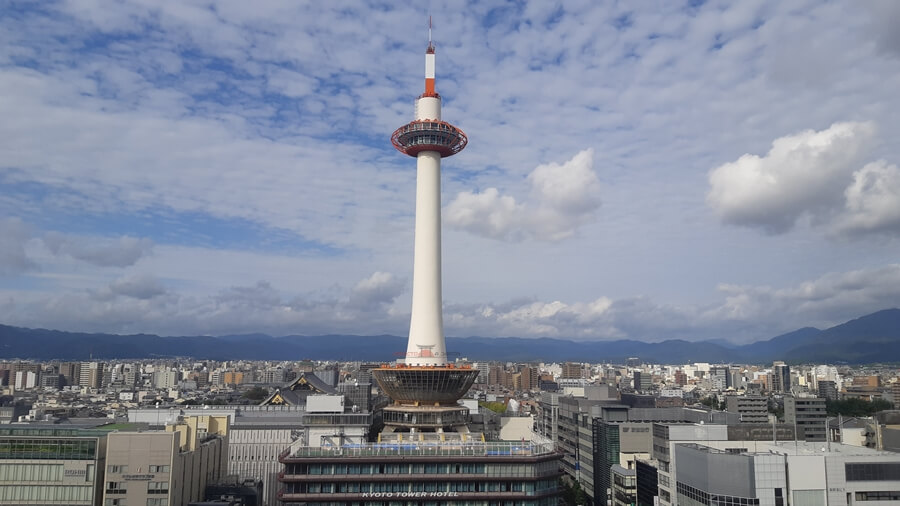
829 299
819 175
873 200
121 252
143 304
291 84
563 198
803 174
743 313
377 291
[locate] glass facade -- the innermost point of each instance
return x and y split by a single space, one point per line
647 483
436 468
606 454
49 449
873 471
50 465
59 494
691 496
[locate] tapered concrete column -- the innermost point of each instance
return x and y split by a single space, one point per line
426 329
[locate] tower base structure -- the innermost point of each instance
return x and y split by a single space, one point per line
425 397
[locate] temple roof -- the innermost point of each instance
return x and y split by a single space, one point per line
295 392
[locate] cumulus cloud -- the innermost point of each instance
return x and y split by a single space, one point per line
872 200
804 174
563 197
743 313
826 300
121 252
378 290
143 304
13 258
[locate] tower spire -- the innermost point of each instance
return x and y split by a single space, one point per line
429 66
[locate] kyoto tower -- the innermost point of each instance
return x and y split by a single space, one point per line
425 387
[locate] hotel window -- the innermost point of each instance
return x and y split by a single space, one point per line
158 502
116 469
115 502
115 487
158 487
159 469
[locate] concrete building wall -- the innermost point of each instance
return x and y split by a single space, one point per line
516 428
253 453
807 473
174 465
140 466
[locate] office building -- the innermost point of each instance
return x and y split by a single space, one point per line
680 378
719 378
170 467
642 381
827 390
530 378
624 486
647 482
617 443
547 422
799 474
750 408
90 374
49 464
781 378
808 415
572 370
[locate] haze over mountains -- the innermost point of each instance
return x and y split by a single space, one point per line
871 338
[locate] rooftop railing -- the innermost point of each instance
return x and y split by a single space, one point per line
429 448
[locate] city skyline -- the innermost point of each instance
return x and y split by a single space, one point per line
699 172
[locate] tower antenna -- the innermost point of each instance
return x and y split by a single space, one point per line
430 44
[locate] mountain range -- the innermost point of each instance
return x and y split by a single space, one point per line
868 339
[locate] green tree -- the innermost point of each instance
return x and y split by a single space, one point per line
256 394
710 402
856 407
776 408
572 494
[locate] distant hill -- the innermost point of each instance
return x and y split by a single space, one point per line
870 338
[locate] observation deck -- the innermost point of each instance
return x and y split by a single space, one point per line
429 135
425 385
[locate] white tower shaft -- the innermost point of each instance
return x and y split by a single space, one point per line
426 328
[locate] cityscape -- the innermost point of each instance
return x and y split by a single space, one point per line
217 288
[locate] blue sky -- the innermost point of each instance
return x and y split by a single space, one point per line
641 170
